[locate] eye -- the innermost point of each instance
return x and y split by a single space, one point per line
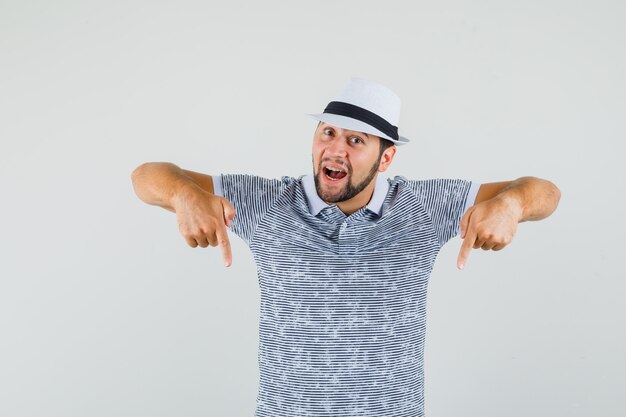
327 130
358 138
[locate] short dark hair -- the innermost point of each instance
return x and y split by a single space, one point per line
384 144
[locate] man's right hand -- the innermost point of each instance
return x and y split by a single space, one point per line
202 219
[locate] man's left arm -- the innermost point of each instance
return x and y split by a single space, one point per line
492 221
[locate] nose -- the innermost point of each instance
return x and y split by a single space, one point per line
337 147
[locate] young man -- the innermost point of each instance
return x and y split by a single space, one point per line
344 255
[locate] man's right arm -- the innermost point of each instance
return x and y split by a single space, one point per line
161 183
201 215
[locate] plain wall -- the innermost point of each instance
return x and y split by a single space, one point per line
106 311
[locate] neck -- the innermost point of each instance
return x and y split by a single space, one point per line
358 201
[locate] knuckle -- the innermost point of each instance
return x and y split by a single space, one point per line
503 240
213 223
205 229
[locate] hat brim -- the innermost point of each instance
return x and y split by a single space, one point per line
356 125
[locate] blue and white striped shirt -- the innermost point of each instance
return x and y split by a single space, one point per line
343 298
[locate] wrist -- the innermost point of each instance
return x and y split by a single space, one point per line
514 200
182 192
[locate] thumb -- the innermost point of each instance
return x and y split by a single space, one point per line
229 212
464 222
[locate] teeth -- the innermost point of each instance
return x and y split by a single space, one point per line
335 169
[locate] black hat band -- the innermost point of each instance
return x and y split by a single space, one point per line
364 115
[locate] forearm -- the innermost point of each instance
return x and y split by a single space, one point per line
160 183
533 198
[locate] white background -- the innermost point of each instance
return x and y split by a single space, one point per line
105 310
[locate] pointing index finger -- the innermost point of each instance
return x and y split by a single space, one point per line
466 247
224 243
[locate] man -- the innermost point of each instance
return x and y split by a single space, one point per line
344 255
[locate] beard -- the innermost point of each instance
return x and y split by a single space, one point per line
349 190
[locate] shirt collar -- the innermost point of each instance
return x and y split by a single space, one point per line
316 204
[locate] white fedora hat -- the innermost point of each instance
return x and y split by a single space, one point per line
365 106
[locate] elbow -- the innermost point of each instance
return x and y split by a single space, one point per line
139 170
555 191
557 195
137 174
554 196
134 175
549 188
134 180
141 166
550 196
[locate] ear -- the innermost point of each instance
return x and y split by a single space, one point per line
386 158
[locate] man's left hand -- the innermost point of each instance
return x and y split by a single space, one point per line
490 224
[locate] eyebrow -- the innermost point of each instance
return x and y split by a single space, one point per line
324 124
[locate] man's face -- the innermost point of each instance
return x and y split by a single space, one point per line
355 154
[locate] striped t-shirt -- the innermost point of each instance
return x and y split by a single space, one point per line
343 298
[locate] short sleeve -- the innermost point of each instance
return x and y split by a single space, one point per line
445 201
471 195
251 196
